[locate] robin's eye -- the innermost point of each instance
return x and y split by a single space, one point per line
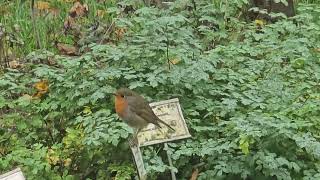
122 96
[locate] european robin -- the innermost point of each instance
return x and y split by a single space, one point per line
134 110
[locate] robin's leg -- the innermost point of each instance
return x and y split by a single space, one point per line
134 140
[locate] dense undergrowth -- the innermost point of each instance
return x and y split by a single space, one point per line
250 94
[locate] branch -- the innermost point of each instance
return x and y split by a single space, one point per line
49 131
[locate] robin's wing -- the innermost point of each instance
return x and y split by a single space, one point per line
141 107
155 120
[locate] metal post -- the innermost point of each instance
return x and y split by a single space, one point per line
173 175
139 162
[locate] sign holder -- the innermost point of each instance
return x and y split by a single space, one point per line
170 112
173 174
139 162
15 174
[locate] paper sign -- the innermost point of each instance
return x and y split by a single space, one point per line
15 174
170 112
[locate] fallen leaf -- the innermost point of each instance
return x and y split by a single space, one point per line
120 33
78 10
42 5
67 49
195 174
14 64
51 61
68 23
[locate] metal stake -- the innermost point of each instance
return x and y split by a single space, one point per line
139 162
173 174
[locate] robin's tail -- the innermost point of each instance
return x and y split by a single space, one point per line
166 124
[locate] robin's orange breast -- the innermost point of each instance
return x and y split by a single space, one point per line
120 106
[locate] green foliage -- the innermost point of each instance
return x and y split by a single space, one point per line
250 96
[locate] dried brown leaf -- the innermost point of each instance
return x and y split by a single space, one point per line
68 23
67 49
78 10
14 64
120 33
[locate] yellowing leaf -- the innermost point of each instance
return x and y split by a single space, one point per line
54 160
42 5
259 22
42 88
244 144
67 162
87 110
42 85
52 157
175 61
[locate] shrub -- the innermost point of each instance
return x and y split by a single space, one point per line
250 96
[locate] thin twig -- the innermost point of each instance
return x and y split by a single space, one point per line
194 4
167 43
107 32
49 131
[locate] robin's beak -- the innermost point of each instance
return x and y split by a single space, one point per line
114 94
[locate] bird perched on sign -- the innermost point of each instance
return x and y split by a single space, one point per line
134 110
